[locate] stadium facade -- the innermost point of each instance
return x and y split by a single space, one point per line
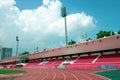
101 53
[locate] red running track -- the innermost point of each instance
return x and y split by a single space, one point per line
59 74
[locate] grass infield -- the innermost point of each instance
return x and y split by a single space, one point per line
112 74
11 71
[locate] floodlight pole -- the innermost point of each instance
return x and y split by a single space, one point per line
66 31
63 12
17 47
37 49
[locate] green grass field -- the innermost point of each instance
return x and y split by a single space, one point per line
11 71
113 74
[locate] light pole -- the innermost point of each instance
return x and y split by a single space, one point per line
63 12
84 36
37 49
17 47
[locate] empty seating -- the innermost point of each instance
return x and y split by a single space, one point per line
32 64
85 59
109 58
47 64
108 61
56 63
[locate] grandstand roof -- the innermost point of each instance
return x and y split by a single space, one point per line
102 44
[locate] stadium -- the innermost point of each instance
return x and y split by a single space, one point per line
72 62
44 24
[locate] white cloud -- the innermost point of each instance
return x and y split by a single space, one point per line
76 23
46 2
40 18
41 27
7 3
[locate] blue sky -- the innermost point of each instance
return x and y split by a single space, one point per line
28 4
106 12
39 22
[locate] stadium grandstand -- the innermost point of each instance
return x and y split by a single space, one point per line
103 53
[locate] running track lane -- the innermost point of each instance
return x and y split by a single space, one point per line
58 74
86 75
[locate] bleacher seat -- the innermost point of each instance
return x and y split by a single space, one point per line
109 58
85 59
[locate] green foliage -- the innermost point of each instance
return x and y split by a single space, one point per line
11 71
102 34
23 57
118 32
113 33
71 42
24 53
44 49
88 39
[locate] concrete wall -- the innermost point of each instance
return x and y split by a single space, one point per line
107 43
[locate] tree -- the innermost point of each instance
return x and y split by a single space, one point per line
24 53
113 33
88 39
118 32
23 58
100 34
71 42
44 49
104 33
